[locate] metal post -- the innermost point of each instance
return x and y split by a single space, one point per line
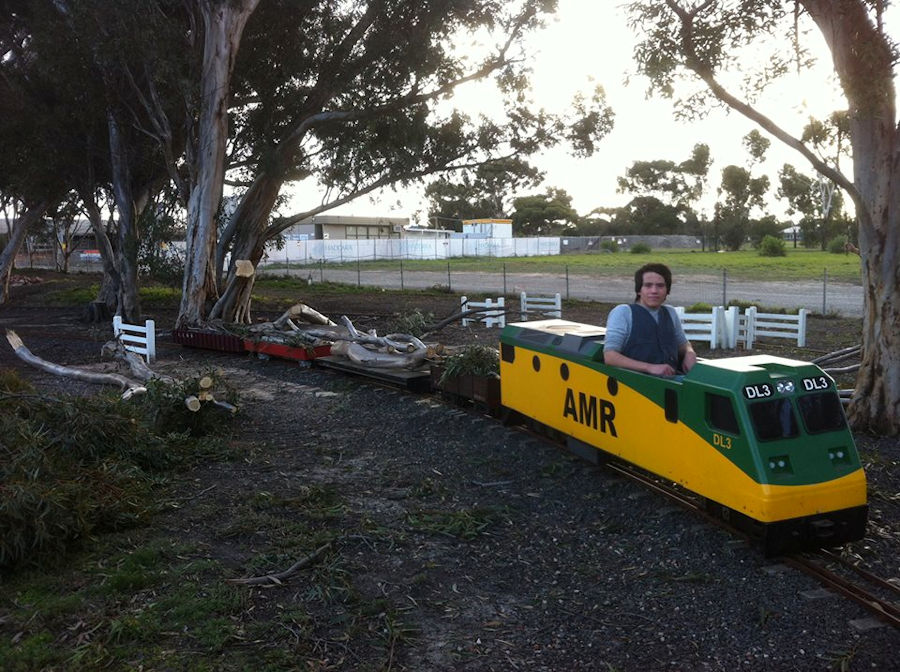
358 279
449 284
401 273
567 282
724 287
322 270
504 279
824 290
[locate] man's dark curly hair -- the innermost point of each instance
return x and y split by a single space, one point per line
662 269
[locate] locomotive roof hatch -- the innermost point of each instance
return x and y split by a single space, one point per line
561 336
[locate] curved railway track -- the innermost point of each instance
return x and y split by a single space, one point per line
877 595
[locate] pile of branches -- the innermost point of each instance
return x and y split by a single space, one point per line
828 361
302 326
74 466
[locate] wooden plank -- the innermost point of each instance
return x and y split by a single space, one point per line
415 381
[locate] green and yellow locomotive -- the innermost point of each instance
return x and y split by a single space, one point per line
762 438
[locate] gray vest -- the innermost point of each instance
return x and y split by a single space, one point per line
651 342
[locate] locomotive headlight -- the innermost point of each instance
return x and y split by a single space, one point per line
784 386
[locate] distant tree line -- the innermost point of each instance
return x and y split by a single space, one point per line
664 198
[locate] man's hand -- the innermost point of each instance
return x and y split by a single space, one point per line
660 370
690 358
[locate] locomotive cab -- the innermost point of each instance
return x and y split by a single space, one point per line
781 422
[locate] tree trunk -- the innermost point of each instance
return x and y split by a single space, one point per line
16 236
111 282
864 63
875 405
127 241
249 224
223 24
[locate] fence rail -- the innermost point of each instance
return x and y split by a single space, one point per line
726 328
140 339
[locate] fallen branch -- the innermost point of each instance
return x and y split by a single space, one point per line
391 342
137 366
845 369
277 578
437 326
129 386
359 354
837 355
302 311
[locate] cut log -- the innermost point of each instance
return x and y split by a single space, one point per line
243 268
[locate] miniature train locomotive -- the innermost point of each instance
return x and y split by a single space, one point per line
763 439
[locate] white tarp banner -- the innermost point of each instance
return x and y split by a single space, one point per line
344 251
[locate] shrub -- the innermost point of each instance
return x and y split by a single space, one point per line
414 323
772 247
474 360
609 245
743 305
837 244
641 248
79 466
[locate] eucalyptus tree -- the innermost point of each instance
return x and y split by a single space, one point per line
31 169
665 193
680 184
708 41
544 214
814 199
649 216
80 70
485 191
740 192
352 96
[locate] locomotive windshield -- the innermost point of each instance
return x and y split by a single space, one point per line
773 419
821 412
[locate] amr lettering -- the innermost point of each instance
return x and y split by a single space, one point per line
585 411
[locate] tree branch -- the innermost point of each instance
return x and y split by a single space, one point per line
702 70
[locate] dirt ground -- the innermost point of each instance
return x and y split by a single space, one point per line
458 543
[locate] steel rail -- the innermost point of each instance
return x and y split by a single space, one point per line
883 609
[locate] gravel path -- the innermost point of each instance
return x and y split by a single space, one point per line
573 568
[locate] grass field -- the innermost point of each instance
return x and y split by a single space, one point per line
798 264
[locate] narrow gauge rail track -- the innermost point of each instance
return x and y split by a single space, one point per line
884 608
813 563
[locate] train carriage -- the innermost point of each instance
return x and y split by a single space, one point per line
762 438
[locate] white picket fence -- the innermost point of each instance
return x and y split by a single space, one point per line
709 327
494 311
136 338
545 306
774 325
726 328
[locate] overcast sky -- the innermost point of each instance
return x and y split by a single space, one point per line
590 44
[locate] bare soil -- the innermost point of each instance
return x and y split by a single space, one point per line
457 543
